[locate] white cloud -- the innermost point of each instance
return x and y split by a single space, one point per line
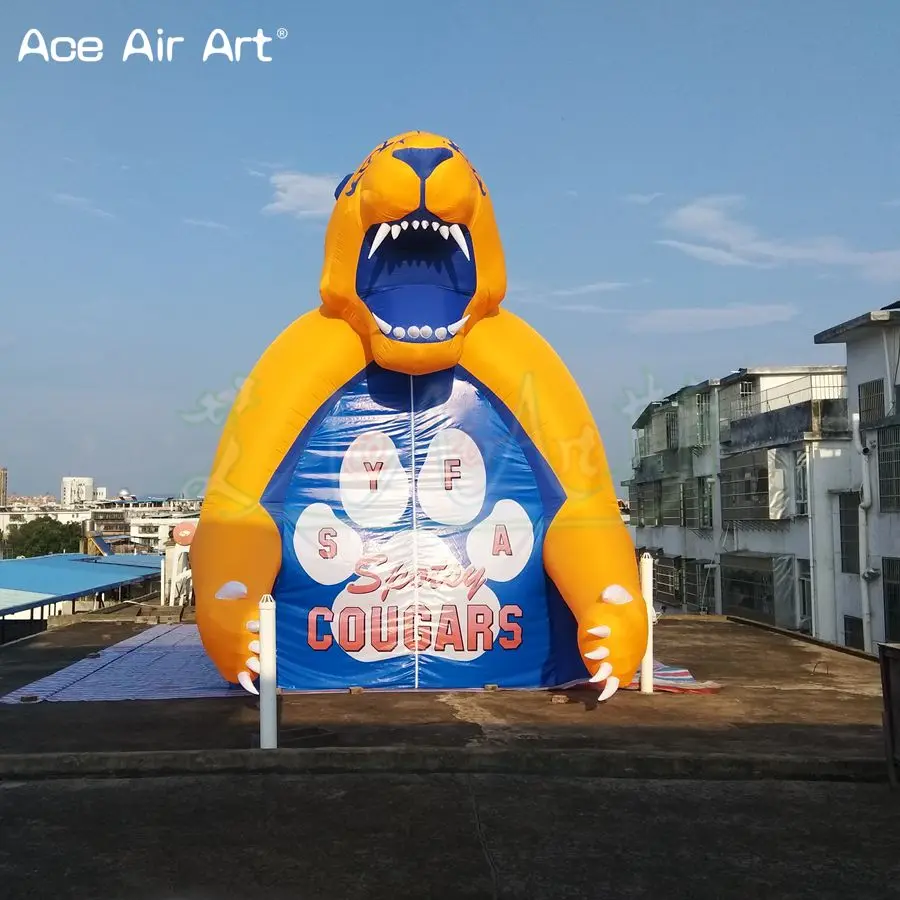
707 254
263 164
595 287
206 223
302 195
701 319
82 203
642 199
591 308
891 203
719 237
554 299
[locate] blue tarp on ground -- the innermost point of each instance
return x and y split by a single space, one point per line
167 662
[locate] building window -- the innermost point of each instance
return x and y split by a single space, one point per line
801 484
666 581
645 507
871 402
890 586
889 468
705 502
746 404
671 503
745 486
853 633
748 589
848 514
702 420
643 442
697 588
804 597
672 429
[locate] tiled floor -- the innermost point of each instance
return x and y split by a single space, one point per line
166 662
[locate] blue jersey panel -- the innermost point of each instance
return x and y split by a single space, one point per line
413 513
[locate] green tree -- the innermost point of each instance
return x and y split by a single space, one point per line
42 536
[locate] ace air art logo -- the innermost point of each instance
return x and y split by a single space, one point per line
153 46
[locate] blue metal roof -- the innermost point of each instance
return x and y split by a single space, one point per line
39 580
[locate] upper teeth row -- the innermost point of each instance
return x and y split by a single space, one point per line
417 331
385 228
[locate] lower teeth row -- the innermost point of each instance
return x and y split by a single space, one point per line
424 332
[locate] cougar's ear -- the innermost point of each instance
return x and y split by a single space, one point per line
342 185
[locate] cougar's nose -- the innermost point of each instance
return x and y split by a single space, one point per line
423 161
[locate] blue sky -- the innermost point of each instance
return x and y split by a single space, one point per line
682 189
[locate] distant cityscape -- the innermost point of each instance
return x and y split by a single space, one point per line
122 523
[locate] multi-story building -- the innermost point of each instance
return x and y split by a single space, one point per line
868 564
734 491
76 490
4 487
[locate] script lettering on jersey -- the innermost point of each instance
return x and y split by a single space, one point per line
378 573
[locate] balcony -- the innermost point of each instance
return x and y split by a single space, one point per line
815 404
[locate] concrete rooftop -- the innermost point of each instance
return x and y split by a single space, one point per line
780 696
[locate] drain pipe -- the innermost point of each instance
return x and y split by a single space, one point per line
865 505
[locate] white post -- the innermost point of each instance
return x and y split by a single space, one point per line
647 593
173 580
268 695
162 580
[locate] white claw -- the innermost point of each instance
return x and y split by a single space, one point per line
246 682
599 653
380 235
435 226
457 325
395 231
460 239
253 647
232 590
445 232
617 595
385 328
601 631
603 673
252 664
415 224
253 626
612 685
404 225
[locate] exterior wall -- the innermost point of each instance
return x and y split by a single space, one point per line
153 531
805 541
76 489
20 517
866 361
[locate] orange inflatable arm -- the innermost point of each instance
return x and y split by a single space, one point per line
588 551
236 552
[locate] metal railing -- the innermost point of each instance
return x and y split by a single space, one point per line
831 386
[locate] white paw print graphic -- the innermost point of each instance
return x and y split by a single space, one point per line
405 591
